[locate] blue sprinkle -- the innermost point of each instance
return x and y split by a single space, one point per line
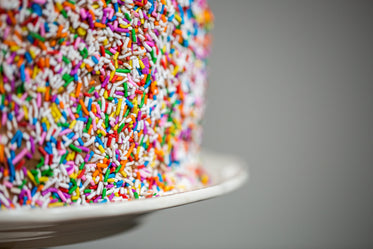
89 105
44 126
90 155
37 9
116 7
129 103
94 59
23 76
28 57
10 116
80 141
112 175
33 191
70 135
84 119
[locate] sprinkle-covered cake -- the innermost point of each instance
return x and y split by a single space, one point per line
100 100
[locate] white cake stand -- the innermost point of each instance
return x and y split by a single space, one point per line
38 228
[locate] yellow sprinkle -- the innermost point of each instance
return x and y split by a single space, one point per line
116 194
41 89
105 42
112 74
32 53
74 198
105 94
31 177
43 178
59 6
82 65
123 173
178 18
70 156
175 70
116 56
14 48
118 106
25 110
124 26
35 72
111 180
141 64
56 204
73 175
72 125
81 31
115 127
101 149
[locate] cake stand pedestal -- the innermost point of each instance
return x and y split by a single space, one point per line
38 228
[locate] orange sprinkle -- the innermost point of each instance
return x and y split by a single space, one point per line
53 43
47 62
130 150
90 129
46 97
62 105
100 25
20 61
78 87
72 6
88 67
42 45
84 108
59 31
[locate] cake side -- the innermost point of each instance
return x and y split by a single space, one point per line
100 100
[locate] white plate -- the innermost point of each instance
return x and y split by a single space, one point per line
37 228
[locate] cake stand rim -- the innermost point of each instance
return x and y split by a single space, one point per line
230 171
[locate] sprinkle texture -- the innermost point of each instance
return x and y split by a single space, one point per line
100 101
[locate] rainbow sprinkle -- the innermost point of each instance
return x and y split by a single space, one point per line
100 101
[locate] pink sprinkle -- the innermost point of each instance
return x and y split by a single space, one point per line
20 156
64 132
41 141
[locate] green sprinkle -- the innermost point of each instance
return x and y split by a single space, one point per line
125 89
123 70
110 98
108 52
74 148
136 195
106 175
65 59
91 90
128 17
78 108
87 191
121 127
63 12
37 36
23 184
81 167
103 193
127 112
68 79
133 35
41 163
71 190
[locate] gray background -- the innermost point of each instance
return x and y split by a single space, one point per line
291 92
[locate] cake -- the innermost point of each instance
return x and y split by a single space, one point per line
100 101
